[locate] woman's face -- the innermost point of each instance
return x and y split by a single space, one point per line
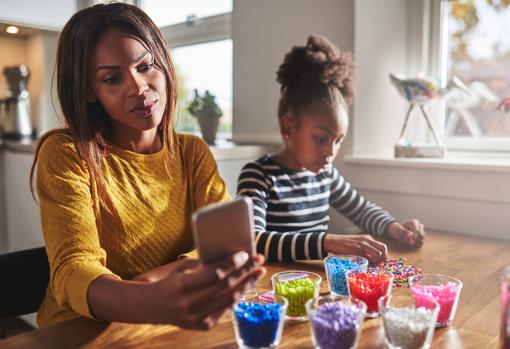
314 137
128 85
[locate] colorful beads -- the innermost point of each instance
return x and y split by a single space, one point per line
401 271
409 327
445 294
258 325
505 309
337 266
335 325
297 292
369 286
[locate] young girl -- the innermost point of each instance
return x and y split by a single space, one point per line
293 189
118 185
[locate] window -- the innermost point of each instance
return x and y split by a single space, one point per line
478 52
199 36
205 67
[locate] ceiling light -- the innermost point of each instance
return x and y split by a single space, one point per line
11 29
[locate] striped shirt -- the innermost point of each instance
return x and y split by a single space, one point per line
291 208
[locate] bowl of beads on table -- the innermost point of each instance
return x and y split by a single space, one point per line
335 321
337 266
369 286
298 287
408 325
444 289
259 323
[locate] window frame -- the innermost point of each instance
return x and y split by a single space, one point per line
437 63
197 31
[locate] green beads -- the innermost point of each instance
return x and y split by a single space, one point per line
297 292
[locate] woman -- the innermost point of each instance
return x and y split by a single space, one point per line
118 185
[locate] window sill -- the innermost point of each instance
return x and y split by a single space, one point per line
454 161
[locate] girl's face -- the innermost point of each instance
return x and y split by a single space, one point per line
125 80
313 138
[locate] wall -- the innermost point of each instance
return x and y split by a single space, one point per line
262 32
467 194
38 53
459 197
13 53
378 108
46 103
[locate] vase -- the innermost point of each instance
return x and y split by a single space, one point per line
209 127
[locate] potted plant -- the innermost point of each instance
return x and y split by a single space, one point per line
205 109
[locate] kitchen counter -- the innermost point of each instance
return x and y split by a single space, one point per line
24 146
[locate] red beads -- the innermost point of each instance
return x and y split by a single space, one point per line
369 287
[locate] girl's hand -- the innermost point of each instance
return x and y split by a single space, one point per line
359 245
195 296
410 233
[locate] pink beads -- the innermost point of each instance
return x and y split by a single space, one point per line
445 295
443 289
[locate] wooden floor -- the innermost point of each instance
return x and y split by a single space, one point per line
478 262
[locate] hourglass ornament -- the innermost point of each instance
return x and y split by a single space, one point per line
419 92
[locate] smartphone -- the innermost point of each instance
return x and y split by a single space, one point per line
221 229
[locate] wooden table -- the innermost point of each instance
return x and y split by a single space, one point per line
478 262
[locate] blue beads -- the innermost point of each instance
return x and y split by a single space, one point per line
336 267
258 324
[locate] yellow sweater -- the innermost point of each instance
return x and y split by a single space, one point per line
149 221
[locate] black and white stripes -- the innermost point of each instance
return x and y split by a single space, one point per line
291 208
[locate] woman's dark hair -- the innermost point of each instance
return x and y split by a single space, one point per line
317 74
87 122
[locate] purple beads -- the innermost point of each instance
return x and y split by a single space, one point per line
335 325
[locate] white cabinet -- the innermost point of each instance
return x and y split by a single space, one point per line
22 218
229 171
232 158
3 227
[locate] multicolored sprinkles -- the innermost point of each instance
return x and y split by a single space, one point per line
400 270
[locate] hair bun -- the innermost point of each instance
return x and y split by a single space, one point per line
318 62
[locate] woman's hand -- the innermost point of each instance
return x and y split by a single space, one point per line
359 245
410 233
195 296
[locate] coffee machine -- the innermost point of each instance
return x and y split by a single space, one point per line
15 118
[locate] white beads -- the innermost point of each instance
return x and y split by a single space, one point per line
408 327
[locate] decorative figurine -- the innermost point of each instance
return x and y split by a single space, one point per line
419 92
